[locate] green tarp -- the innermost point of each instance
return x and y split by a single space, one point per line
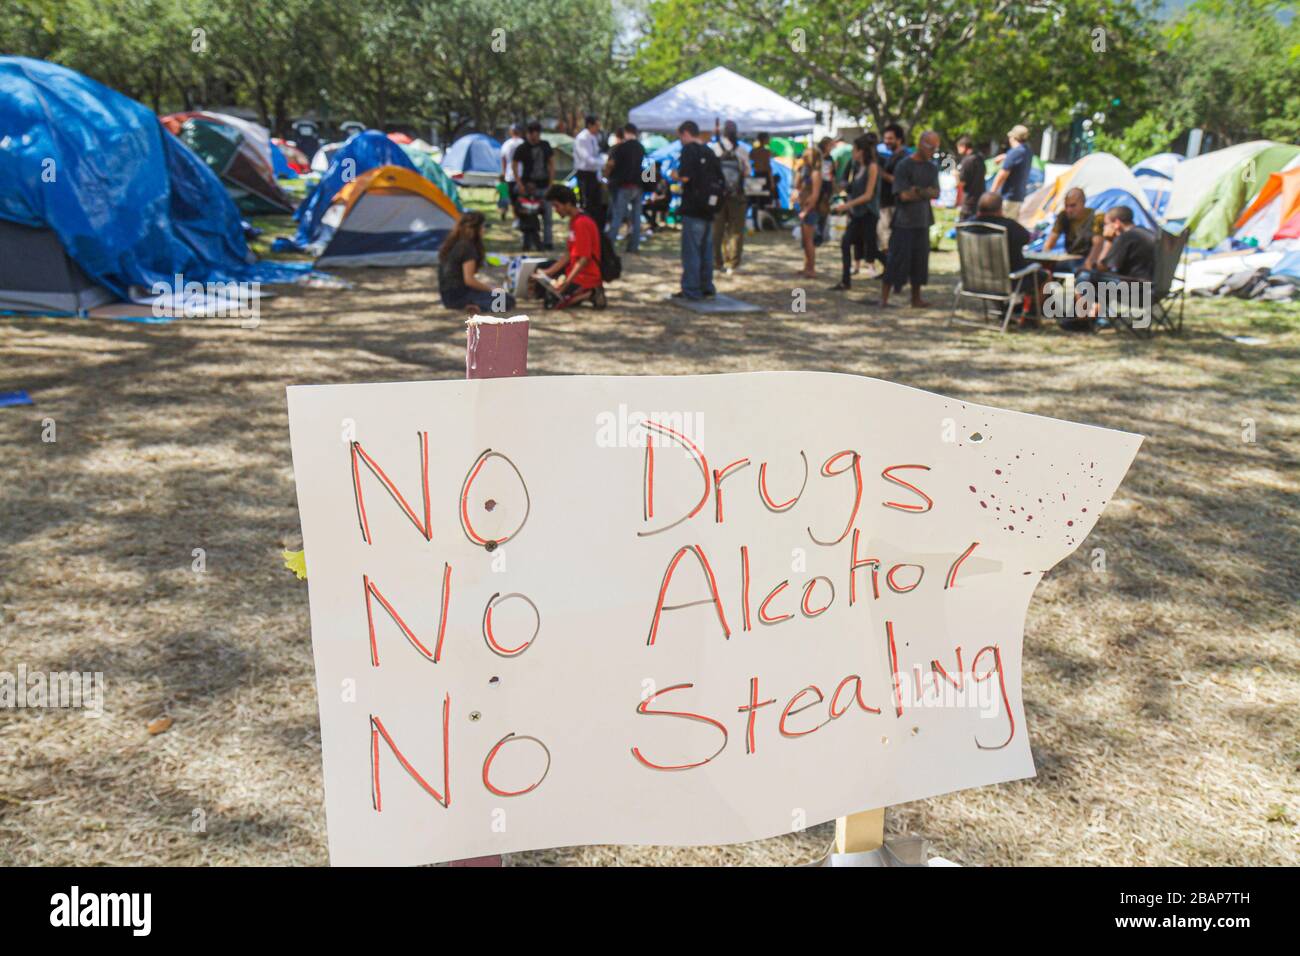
1212 220
428 167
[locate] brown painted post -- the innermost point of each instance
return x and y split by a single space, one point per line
494 348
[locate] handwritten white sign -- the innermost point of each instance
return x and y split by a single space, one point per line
693 610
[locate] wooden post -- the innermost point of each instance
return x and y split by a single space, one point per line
860 832
494 348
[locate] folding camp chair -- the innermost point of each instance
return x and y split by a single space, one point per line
986 271
1166 290
1170 251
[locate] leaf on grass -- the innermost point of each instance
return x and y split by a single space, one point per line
159 726
296 561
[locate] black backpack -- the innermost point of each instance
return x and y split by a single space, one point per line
611 266
707 185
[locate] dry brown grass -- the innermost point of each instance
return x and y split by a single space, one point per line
1161 696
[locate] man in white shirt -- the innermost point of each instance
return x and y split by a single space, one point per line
729 223
508 165
508 153
587 162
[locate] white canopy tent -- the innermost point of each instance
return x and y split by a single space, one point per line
723 95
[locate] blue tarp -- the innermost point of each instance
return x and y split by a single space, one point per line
668 156
130 203
473 153
282 168
1289 266
362 152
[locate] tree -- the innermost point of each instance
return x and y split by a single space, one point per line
1234 69
950 63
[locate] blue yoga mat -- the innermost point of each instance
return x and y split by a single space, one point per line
14 398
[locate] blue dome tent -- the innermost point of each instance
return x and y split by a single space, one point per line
129 205
474 159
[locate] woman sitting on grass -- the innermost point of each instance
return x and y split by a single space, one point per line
459 260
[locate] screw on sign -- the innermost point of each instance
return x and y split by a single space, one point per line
494 348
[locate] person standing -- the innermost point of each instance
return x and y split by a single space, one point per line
626 187
862 206
761 159
587 161
916 182
729 224
808 182
1012 180
534 162
700 176
824 146
970 178
896 142
870 250
508 165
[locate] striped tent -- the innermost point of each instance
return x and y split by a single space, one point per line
387 216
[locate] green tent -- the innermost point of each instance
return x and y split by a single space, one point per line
223 149
563 146
428 167
781 146
1212 219
653 142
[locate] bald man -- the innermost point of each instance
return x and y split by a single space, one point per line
916 183
1082 228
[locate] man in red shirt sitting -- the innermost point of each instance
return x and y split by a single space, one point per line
579 267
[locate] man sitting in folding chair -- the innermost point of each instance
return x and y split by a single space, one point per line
1123 283
991 249
579 267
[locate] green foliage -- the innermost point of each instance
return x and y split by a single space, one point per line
952 64
1232 68
977 66
453 64
1150 134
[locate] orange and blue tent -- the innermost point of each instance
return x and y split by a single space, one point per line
387 216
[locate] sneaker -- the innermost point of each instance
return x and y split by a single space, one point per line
839 287
683 295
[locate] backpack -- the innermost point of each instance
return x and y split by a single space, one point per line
707 186
732 176
1246 284
611 266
